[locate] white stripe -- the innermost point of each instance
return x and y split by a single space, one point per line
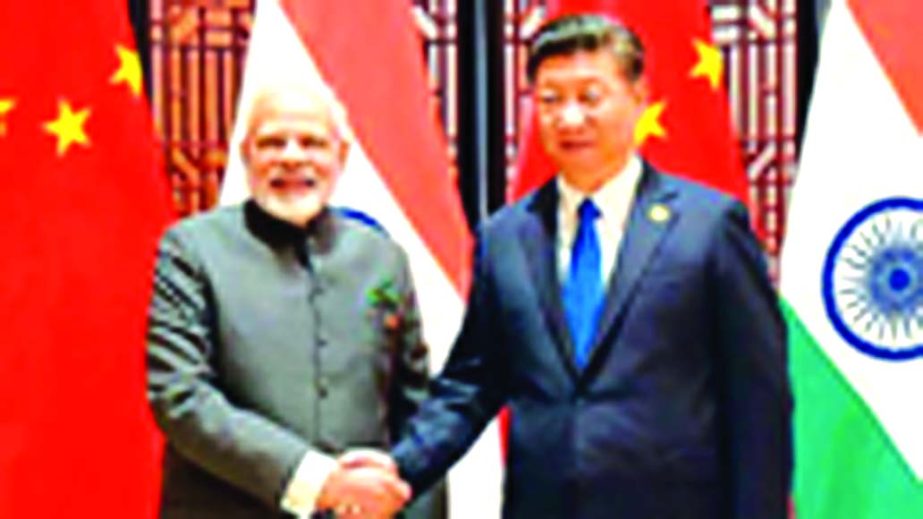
860 146
276 54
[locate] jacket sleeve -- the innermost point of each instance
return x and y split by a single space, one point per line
752 364
464 397
234 444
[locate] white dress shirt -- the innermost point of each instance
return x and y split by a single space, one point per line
306 483
614 200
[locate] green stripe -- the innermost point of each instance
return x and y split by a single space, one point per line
845 465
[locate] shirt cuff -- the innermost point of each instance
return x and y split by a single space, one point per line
306 484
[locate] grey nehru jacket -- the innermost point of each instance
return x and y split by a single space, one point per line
266 340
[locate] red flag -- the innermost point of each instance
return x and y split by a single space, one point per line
86 198
686 128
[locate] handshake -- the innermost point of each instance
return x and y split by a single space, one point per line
365 484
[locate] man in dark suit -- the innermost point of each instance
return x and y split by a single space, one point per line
623 315
280 333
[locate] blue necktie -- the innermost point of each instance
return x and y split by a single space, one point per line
583 289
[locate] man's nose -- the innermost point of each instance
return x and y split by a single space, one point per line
572 115
293 151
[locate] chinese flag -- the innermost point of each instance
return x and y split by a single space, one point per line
85 199
686 128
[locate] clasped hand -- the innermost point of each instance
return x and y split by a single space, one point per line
365 485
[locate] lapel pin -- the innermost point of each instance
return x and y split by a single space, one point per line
659 213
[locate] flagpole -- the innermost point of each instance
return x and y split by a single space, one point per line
480 148
139 16
810 15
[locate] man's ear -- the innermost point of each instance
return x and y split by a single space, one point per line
640 89
245 151
343 151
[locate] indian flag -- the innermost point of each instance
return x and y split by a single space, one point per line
397 172
852 270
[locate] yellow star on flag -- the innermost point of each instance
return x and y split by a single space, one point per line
649 123
6 104
68 127
129 71
710 64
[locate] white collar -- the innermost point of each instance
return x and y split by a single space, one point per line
613 198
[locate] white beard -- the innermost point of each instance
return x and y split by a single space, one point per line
295 210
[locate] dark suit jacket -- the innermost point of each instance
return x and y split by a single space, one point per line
684 408
264 341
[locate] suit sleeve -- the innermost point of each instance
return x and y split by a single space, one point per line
755 391
464 397
234 444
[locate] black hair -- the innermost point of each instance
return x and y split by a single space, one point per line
586 32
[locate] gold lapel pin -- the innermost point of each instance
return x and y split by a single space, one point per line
659 213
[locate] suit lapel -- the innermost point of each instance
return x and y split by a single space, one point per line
651 218
538 235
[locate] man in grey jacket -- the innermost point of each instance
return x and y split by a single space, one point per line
280 333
